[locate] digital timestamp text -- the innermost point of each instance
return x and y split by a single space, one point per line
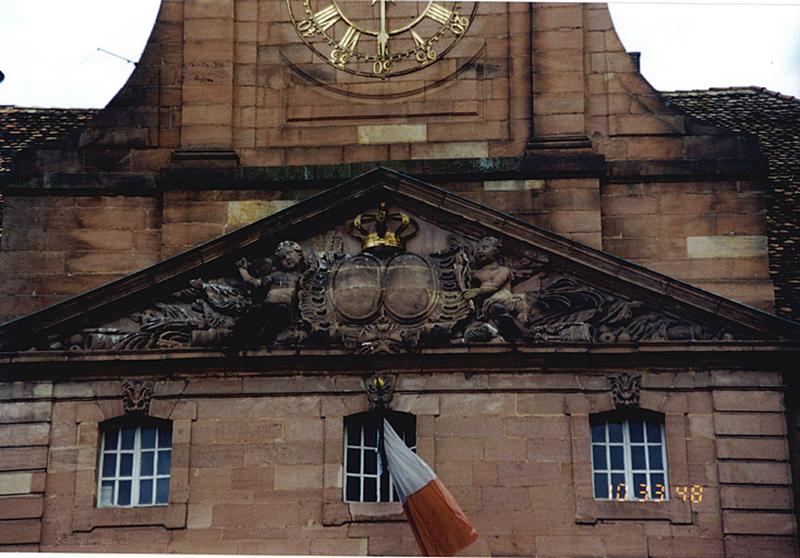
658 493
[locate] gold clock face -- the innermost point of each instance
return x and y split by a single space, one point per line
380 38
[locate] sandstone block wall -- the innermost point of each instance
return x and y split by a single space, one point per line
25 425
213 91
54 247
710 234
257 465
213 77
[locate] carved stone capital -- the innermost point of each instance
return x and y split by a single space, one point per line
380 390
625 390
136 395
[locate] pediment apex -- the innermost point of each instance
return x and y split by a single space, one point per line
386 263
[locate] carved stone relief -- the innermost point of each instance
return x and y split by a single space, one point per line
136 396
380 390
625 390
385 298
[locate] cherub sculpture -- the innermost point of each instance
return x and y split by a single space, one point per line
273 318
500 311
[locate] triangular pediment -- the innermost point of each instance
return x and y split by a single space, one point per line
421 267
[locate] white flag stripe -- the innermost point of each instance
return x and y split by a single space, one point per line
409 472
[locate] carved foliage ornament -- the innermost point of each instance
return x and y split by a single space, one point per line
385 299
625 390
136 396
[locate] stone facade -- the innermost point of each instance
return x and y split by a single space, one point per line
552 123
775 120
257 432
227 141
257 464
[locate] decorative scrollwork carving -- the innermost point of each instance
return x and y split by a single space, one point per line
384 299
136 396
625 390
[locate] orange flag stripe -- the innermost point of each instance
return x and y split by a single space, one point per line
437 521
439 525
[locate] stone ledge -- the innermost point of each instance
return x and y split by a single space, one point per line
314 177
691 170
172 516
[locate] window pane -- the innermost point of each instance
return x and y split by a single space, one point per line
165 437
630 462
126 465
363 480
617 459
164 458
618 489
640 486
599 457
109 465
370 489
656 463
146 491
147 464
637 431
352 489
127 438
353 432
600 485
653 432
132 457
353 461
111 439
148 438
658 490
371 434
615 432
162 491
107 493
124 498
385 489
371 462
637 458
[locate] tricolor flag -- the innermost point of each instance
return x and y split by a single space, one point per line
439 525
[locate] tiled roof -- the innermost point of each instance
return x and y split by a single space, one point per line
775 120
21 128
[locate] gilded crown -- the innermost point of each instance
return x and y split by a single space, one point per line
383 230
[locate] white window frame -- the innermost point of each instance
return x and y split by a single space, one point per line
135 477
363 448
627 456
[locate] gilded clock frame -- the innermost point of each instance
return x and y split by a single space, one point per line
340 56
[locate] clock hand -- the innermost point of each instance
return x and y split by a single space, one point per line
383 36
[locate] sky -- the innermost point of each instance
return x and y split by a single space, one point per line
49 49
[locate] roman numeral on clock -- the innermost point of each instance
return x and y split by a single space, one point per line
439 14
350 39
327 17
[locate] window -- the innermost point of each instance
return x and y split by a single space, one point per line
135 459
629 456
363 480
